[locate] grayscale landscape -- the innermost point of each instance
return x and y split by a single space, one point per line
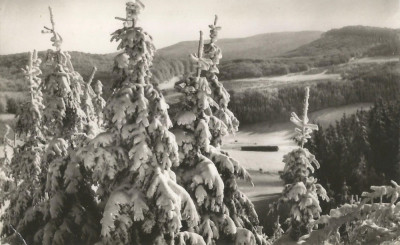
343 79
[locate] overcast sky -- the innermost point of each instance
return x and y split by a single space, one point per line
85 25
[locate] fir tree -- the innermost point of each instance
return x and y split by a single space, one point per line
132 159
70 213
223 121
301 190
227 122
208 173
54 202
25 171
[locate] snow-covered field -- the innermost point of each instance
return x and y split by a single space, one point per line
302 78
375 60
292 77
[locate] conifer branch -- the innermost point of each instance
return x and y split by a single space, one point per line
18 234
52 19
305 128
92 75
30 77
305 117
200 53
52 29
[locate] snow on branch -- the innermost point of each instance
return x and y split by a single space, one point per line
369 222
303 133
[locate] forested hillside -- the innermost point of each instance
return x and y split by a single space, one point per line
354 41
336 46
358 84
350 41
260 46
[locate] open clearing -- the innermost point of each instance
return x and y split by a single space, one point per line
375 60
303 78
292 77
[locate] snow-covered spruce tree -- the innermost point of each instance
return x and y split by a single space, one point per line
228 122
223 121
98 102
70 213
366 221
67 97
59 205
132 159
25 170
301 190
209 174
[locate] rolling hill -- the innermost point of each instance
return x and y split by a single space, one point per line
255 47
336 46
169 62
353 41
256 56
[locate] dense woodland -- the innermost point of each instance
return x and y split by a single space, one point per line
363 84
359 151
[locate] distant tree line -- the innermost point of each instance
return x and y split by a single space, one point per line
359 151
276 104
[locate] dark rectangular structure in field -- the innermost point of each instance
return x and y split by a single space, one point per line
260 148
